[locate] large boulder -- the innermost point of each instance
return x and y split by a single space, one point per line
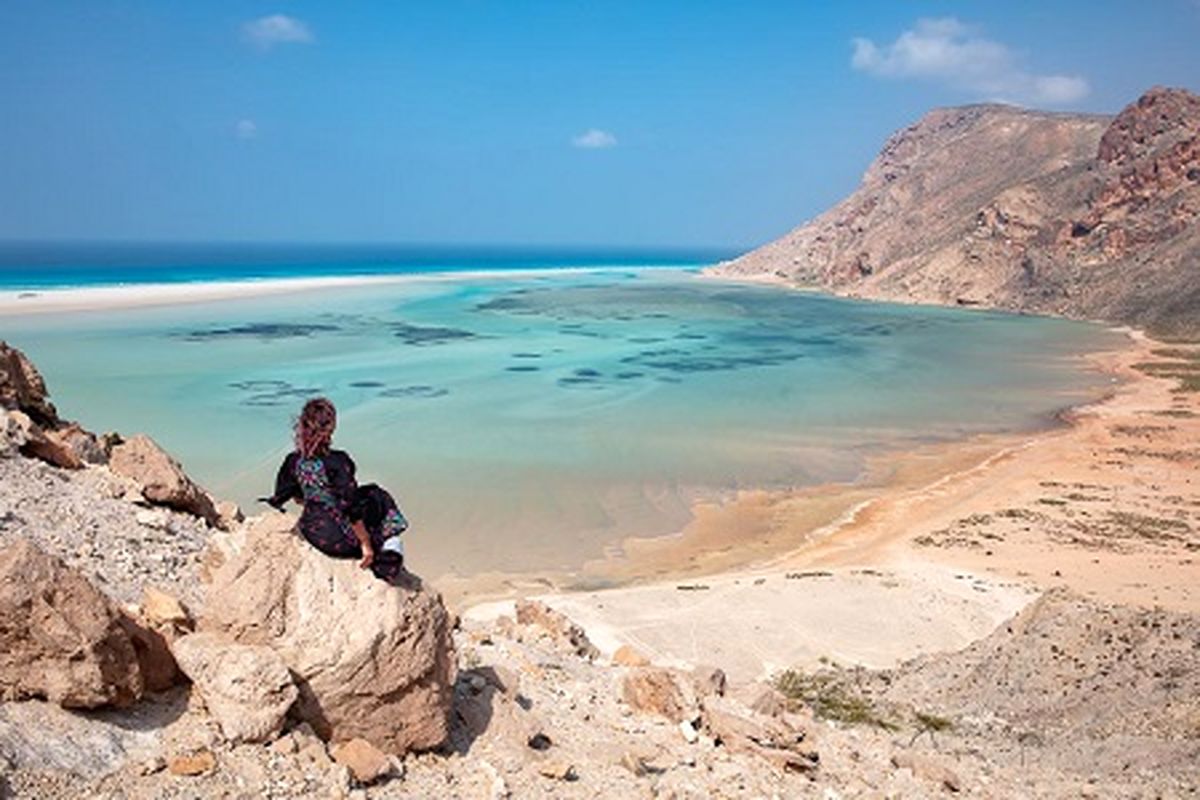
371 660
161 478
245 687
61 639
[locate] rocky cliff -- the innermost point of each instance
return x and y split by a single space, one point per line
987 205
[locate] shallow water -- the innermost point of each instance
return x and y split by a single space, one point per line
530 422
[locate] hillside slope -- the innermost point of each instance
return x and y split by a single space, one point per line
1079 215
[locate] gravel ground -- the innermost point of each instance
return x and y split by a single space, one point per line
82 516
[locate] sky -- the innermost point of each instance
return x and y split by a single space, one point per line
526 122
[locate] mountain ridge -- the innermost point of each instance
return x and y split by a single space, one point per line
1078 215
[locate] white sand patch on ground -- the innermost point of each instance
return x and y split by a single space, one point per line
754 626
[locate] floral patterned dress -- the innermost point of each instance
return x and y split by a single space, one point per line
333 502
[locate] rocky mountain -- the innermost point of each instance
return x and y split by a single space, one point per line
988 205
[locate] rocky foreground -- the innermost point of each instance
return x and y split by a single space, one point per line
1078 215
152 649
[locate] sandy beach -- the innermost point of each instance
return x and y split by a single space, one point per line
930 552
148 295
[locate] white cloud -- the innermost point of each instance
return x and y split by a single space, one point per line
266 32
245 129
594 139
952 52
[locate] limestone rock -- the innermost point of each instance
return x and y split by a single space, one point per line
81 443
929 769
153 627
770 701
558 770
744 730
43 444
709 680
155 661
655 690
60 638
192 764
365 761
371 660
12 435
246 688
161 478
627 656
229 514
22 387
162 609
557 625
34 421
41 736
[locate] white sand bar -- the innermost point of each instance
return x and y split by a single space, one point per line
14 302
753 626
103 298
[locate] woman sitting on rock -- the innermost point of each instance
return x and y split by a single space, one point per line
340 518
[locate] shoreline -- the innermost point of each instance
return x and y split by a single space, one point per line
1007 516
112 297
757 529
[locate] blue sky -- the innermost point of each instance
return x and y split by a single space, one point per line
506 121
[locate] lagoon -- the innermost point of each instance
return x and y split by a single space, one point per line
529 421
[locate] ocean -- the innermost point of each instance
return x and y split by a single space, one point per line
529 417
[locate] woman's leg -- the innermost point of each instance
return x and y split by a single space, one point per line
330 534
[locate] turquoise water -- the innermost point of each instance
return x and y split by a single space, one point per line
531 421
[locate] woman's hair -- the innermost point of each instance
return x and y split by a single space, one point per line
314 427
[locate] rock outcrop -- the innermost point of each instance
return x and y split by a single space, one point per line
557 626
246 688
665 692
61 639
1078 215
162 479
31 422
370 660
23 389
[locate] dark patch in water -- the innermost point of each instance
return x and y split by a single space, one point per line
265 393
423 335
716 363
258 386
580 383
523 368
268 331
416 390
645 340
526 355
573 331
587 373
628 376
366 384
507 304
695 336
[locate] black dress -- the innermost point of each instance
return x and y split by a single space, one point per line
333 501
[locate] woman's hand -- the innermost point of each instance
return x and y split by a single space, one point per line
368 557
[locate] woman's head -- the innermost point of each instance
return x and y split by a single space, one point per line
314 427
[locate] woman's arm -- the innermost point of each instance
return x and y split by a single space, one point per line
286 485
